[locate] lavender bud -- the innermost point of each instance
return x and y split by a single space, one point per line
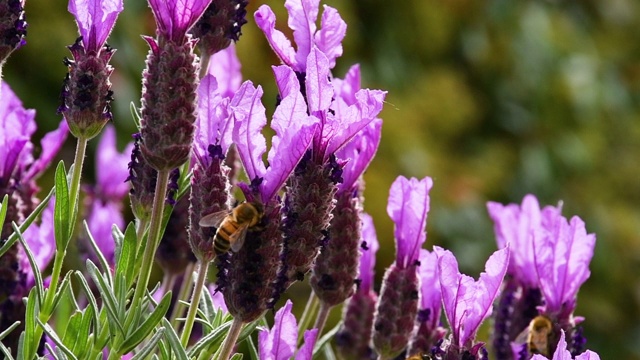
220 23
143 182
352 341
13 28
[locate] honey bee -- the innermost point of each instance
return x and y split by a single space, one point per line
233 225
539 332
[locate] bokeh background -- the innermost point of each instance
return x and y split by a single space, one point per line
493 99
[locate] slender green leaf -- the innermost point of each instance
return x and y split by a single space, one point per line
21 350
210 341
60 354
3 209
27 222
83 333
6 352
325 339
73 329
62 289
104 264
61 212
51 351
31 314
134 114
253 350
6 331
148 325
56 340
237 356
108 298
174 341
328 352
126 254
150 346
164 349
92 300
34 265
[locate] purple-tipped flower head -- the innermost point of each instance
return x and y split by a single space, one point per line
353 339
220 24
467 303
398 303
280 342
86 93
562 353
13 28
170 83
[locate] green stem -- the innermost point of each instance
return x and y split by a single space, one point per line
309 311
204 64
151 244
74 191
195 300
321 319
185 289
230 340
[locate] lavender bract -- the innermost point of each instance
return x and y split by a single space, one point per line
220 24
562 353
280 342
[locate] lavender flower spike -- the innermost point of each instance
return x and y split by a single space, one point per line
467 303
562 353
170 83
302 20
398 303
86 94
562 257
220 24
13 27
279 343
353 339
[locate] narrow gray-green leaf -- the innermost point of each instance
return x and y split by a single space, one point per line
62 289
253 351
27 222
126 254
31 313
214 338
326 338
34 265
108 298
6 352
328 352
71 334
51 351
61 212
148 325
150 346
56 340
104 265
3 209
84 333
237 356
6 331
174 341
92 300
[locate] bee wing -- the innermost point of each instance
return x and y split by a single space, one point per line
237 239
213 219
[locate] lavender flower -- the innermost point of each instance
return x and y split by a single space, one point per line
354 337
467 303
210 188
220 24
248 279
104 201
280 342
86 94
398 303
169 85
562 353
428 329
13 28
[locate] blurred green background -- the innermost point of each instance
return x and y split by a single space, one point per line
492 99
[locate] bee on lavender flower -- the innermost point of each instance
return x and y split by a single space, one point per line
233 225
540 330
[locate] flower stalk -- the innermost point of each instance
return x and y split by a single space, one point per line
195 300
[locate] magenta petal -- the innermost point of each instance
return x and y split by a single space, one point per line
302 20
249 115
279 343
408 207
306 351
431 295
266 21
319 88
95 20
112 167
332 32
175 17
346 89
368 254
51 144
102 217
213 124
225 67
359 152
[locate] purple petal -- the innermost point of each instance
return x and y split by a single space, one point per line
249 116
359 152
350 120
175 17
408 207
306 351
294 132
266 21
225 67
467 302
112 167
562 258
279 343
102 217
41 241
319 88
50 144
431 295
213 124
368 253
95 20
302 20
332 32
346 89
17 125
